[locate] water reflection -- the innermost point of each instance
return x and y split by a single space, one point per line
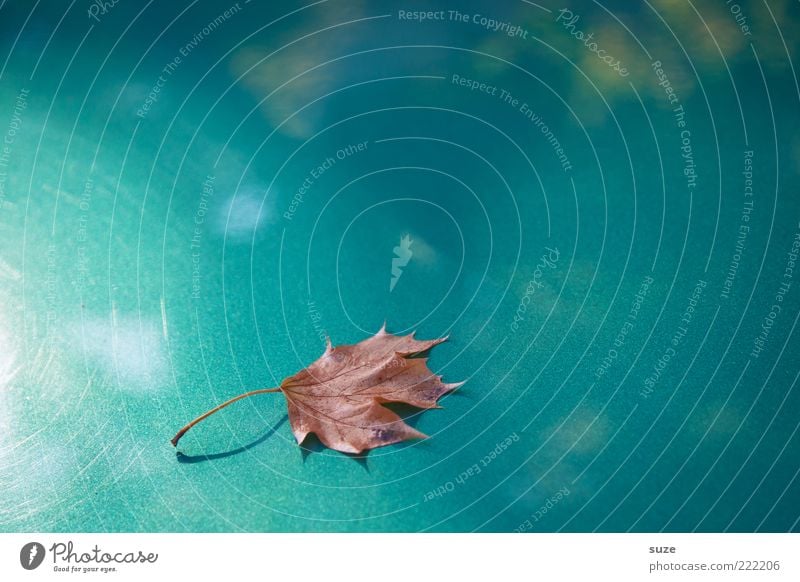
132 348
241 215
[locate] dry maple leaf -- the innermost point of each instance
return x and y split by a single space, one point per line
340 397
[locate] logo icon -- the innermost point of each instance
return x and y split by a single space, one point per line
403 254
31 555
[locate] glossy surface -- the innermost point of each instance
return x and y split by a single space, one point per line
192 199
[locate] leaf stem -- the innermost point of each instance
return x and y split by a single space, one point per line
183 431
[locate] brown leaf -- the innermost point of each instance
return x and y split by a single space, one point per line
340 396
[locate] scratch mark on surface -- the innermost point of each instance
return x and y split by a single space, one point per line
9 272
164 317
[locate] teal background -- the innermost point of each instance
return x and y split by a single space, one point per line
115 330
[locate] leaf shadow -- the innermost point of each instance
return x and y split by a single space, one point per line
312 445
184 458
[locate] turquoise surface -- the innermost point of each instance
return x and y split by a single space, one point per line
603 215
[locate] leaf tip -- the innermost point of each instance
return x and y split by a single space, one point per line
455 385
419 435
